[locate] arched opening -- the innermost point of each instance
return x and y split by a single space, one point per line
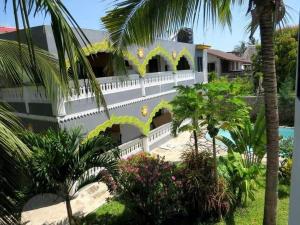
101 64
163 116
122 133
183 64
157 64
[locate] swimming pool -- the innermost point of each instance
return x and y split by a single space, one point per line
285 132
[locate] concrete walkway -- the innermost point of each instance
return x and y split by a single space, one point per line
173 149
49 209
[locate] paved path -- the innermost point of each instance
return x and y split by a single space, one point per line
173 149
49 209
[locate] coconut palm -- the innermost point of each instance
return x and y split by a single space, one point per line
142 21
61 162
222 110
26 63
188 104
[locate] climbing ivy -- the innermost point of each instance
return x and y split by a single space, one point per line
144 127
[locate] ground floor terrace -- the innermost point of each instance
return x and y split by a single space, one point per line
49 209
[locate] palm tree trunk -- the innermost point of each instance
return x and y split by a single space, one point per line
215 160
69 210
196 141
271 113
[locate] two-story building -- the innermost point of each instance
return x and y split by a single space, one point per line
138 104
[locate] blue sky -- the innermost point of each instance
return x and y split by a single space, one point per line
88 13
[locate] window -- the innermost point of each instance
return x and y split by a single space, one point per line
200 64
211 67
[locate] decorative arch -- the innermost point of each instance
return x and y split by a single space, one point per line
144 127
156 51
104 46
118 120
185 52
162 105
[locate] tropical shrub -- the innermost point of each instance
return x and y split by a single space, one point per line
201 195
248 139
286 148
285 171
242 177
246 85
212 76
287 103
149 185
61 163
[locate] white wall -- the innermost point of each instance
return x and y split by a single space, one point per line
217 61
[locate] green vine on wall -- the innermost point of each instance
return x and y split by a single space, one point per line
144 127
141 68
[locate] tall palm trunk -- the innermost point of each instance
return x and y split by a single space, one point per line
196 141
69 210
215 160
271 112
195 125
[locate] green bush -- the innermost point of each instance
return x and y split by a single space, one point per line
149 185
285 171
242 177
202 197
246 85
286 147
212 76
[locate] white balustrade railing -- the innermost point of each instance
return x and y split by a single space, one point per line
185 75
108 85
131 147
159 78
137 145
159 133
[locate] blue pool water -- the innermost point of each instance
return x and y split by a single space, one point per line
285 132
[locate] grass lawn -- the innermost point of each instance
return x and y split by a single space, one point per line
116 213
253 213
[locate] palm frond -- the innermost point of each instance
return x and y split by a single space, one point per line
67 39
16 69
142 21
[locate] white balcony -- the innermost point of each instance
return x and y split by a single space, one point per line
129 88
138 145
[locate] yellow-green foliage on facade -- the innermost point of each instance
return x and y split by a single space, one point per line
144 127
104 46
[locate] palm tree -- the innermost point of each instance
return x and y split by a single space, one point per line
141 22
241 48
188 104
222 110
61 163
18 150
25 62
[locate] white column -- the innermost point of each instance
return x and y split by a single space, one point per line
146 146
58 106
175 79
26 98
142 83
204 64
294 215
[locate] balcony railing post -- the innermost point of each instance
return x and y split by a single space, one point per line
142 83
146 146
175 79
58 106
26 98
